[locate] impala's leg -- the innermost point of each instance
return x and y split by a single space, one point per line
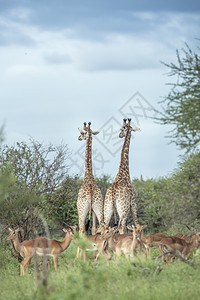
24 263
78 252
55 260
149 251
49 264
97 256
118 251
21 269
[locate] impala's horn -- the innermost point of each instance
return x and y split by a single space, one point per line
68 225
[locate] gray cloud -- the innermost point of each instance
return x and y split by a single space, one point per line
57 58
93 19
11 35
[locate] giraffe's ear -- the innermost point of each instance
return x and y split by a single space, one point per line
95 132
135 129
81 130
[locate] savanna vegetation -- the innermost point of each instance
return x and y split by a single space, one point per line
38 195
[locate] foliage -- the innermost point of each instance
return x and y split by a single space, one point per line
183 102
103 183
63 204
148 195
1 134
40 168
30 173
173 202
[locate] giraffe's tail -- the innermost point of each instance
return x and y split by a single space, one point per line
87 225
114 207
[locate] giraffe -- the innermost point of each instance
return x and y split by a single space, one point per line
120 196
89 196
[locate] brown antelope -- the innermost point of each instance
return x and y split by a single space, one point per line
111 235
98 244
151 241
128 244
182 236
175 244
40 246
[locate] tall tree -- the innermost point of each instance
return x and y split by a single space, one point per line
182 104
29 176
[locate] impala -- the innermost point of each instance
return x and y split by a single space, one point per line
40 246
152 240
97 244
183 247
129 243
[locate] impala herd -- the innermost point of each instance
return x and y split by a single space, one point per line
109 242
120 198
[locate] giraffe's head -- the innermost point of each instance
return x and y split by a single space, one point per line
127 127
86 131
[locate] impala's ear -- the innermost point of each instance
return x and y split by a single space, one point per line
65 230
95 132
18 229
74 228
129 227
9 229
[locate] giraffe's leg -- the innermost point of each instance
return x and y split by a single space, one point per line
123 215
108 205
134 210
93 223
82 213
108 210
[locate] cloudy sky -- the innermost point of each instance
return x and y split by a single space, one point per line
65 62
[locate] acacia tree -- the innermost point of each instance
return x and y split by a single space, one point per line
182 104
34 173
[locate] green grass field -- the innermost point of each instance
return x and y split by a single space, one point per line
139 278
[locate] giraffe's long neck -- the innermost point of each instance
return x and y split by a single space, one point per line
88 156
124 164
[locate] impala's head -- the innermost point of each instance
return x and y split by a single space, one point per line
70 229
102 228
109 231
140 229
127 127
85 131
136 230
13 233
198 236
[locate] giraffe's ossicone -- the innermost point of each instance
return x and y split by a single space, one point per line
89 197
120 196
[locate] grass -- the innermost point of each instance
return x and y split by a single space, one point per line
117 279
